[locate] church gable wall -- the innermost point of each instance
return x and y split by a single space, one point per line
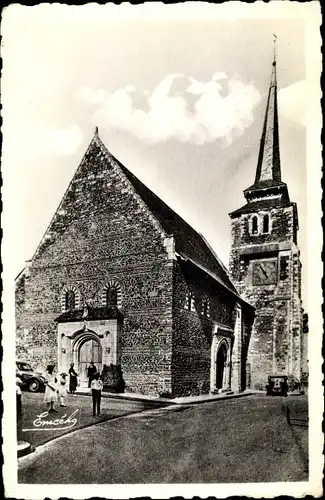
103 233
100 217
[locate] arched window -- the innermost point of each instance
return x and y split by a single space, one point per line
70 300
266 224
254 224
111 296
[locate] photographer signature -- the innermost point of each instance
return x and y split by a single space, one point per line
61 423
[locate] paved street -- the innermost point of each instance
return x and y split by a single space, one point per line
77 414
239 440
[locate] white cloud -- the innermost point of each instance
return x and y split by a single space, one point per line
87 94
219 76
293 102
222 110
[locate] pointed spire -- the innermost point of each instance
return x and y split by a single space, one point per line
268 165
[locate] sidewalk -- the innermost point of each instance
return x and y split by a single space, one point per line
38 426
38 429
157 401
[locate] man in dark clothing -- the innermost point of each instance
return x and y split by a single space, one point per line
19 408
91 372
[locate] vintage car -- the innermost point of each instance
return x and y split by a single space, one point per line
32 381
277 385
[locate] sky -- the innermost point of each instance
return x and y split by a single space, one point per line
178 96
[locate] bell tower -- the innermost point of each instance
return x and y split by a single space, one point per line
264 261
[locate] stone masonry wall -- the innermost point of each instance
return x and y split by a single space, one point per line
192 332
100 233
275 344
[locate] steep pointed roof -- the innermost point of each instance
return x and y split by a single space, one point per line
268 183
268 165
189 244
268 171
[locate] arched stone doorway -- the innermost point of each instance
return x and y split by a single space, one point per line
220 366
91 334
90 350
86 348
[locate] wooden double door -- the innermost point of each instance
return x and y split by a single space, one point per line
90 350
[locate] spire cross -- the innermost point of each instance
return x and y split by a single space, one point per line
274 47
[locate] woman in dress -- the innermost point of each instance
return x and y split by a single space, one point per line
51 389
62 388
73 381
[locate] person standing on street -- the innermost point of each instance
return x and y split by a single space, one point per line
62 388
73 382
51 389
91 372
18 407
96 392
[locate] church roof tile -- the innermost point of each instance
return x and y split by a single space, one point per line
93 313
189 244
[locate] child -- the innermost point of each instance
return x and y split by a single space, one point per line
96 392
62 388
51 389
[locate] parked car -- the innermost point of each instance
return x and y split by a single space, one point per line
277 385
32 381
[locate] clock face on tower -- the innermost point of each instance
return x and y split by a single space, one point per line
265 272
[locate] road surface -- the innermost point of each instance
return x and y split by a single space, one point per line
239 440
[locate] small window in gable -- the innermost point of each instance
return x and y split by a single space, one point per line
266 224
70 300
111 296
192 302
206 307
189 302
254 224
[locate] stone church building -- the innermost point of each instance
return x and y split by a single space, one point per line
119 278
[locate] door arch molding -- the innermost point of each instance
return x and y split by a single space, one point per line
220 345
221 361
79 341
81 337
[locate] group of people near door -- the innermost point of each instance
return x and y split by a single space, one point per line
56 387
53 387
73 376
